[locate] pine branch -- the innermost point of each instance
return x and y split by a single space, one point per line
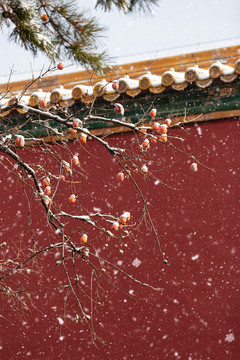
127 5
76 35
59 30
142 5
27 30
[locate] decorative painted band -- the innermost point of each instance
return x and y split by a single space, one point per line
215 102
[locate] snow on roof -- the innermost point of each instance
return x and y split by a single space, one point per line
146 83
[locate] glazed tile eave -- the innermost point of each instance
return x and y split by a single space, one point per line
195 89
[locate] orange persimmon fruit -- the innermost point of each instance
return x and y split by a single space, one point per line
47 190
75 160
168 122
123 219
43 103
75 123
193 167
156 126
153 113
163 129
46 182
115 85
44 18
120 176
84 238
72 131
144 169
60 66
145 144
115 226
83 138
20 141
163 138
72 199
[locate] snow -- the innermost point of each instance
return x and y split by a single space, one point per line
199 130
99 85
202 74
84 88
60 321
179 77
195 257
131 83
136 262
154 79
230 337
226 70
44 39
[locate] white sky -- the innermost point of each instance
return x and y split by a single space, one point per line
176 26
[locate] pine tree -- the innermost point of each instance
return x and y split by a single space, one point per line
58 28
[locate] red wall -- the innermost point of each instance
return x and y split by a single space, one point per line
196 317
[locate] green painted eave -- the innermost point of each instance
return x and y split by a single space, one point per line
218 97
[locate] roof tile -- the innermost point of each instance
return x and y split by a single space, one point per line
132 87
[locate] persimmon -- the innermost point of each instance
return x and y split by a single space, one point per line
120 176
72 199
143 130
62 177
44 18
153 140
75 160
43 103
163 138
47 190
46 182
76 123
115 226
20 141
119 109
84 238
127 214
163 129
115 85
145 144
72 131
193 167
123 219
83 138
144 169
60 66
167 122
156 126
153 113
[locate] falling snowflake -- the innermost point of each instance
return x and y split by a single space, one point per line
136 262
60 320
229 337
